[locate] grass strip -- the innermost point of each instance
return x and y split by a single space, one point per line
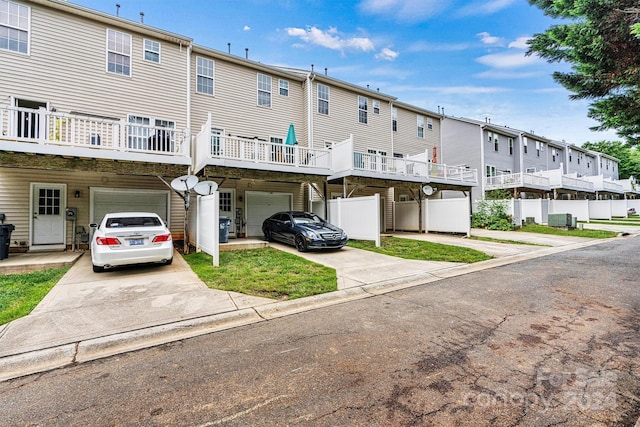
576 232
264 272
21 293
421 250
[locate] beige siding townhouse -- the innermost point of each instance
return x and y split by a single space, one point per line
242 113
93 117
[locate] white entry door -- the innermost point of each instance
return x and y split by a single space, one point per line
48 202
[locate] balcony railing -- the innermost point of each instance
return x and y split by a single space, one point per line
516 180
60 129
577 184
396 166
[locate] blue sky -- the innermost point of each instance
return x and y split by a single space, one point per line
467 57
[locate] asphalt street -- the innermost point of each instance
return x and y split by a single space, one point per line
546 341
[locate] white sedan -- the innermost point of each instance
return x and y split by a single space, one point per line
125 238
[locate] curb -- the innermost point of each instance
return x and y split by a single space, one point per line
38 361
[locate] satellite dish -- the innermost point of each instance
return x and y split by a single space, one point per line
427 190
205 188
184 182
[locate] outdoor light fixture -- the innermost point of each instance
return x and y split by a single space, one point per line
77 194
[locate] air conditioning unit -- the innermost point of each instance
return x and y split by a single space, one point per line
560 220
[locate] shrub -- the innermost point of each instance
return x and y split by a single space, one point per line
492 215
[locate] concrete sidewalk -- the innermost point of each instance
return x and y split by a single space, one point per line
87 316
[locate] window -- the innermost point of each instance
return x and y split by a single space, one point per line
151 51
524 145
420 121
225 201
264 90
510 146
554 153
49 201
394 119
204 75
403 198
429 123
145 133
570 156
490 171
217 142
363 104
531 170
323 99
495 142
538 148
14 27
376 107
118 53
283 87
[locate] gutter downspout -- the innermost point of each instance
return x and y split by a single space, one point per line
191 148
310 78
483 172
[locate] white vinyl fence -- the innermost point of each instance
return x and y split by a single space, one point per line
359 217
583 210
438 215
208 225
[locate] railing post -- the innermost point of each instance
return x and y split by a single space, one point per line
123 136
41 115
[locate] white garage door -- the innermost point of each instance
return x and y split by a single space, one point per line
261 206
104 201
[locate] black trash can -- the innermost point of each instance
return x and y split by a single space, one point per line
5 239
225 223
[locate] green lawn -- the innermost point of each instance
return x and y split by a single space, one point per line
20 293
543 229
264 272
421 250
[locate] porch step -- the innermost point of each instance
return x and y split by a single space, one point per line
18 263
239 244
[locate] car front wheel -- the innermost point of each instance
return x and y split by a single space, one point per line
267 235
301 243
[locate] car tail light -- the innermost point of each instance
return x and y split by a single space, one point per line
108 241
162 238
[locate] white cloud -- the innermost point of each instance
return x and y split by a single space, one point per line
330 39
486 8
404 10
508 60
488 39
504 75
246 28
387 54
437 47
520 43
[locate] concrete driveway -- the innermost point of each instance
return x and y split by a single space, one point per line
357 267
86 305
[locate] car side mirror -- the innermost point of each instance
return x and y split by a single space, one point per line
93 225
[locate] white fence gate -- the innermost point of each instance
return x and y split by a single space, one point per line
359 217
438 215
208 225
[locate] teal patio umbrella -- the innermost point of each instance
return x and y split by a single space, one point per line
291 136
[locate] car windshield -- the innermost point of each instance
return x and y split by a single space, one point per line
306 218
133 221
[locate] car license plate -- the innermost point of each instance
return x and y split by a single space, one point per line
134 242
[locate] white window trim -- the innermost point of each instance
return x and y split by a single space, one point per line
129 55
376 107
211 77
420 126
326 100
280 87
429 123
364 110
145 50
27 30
260 90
